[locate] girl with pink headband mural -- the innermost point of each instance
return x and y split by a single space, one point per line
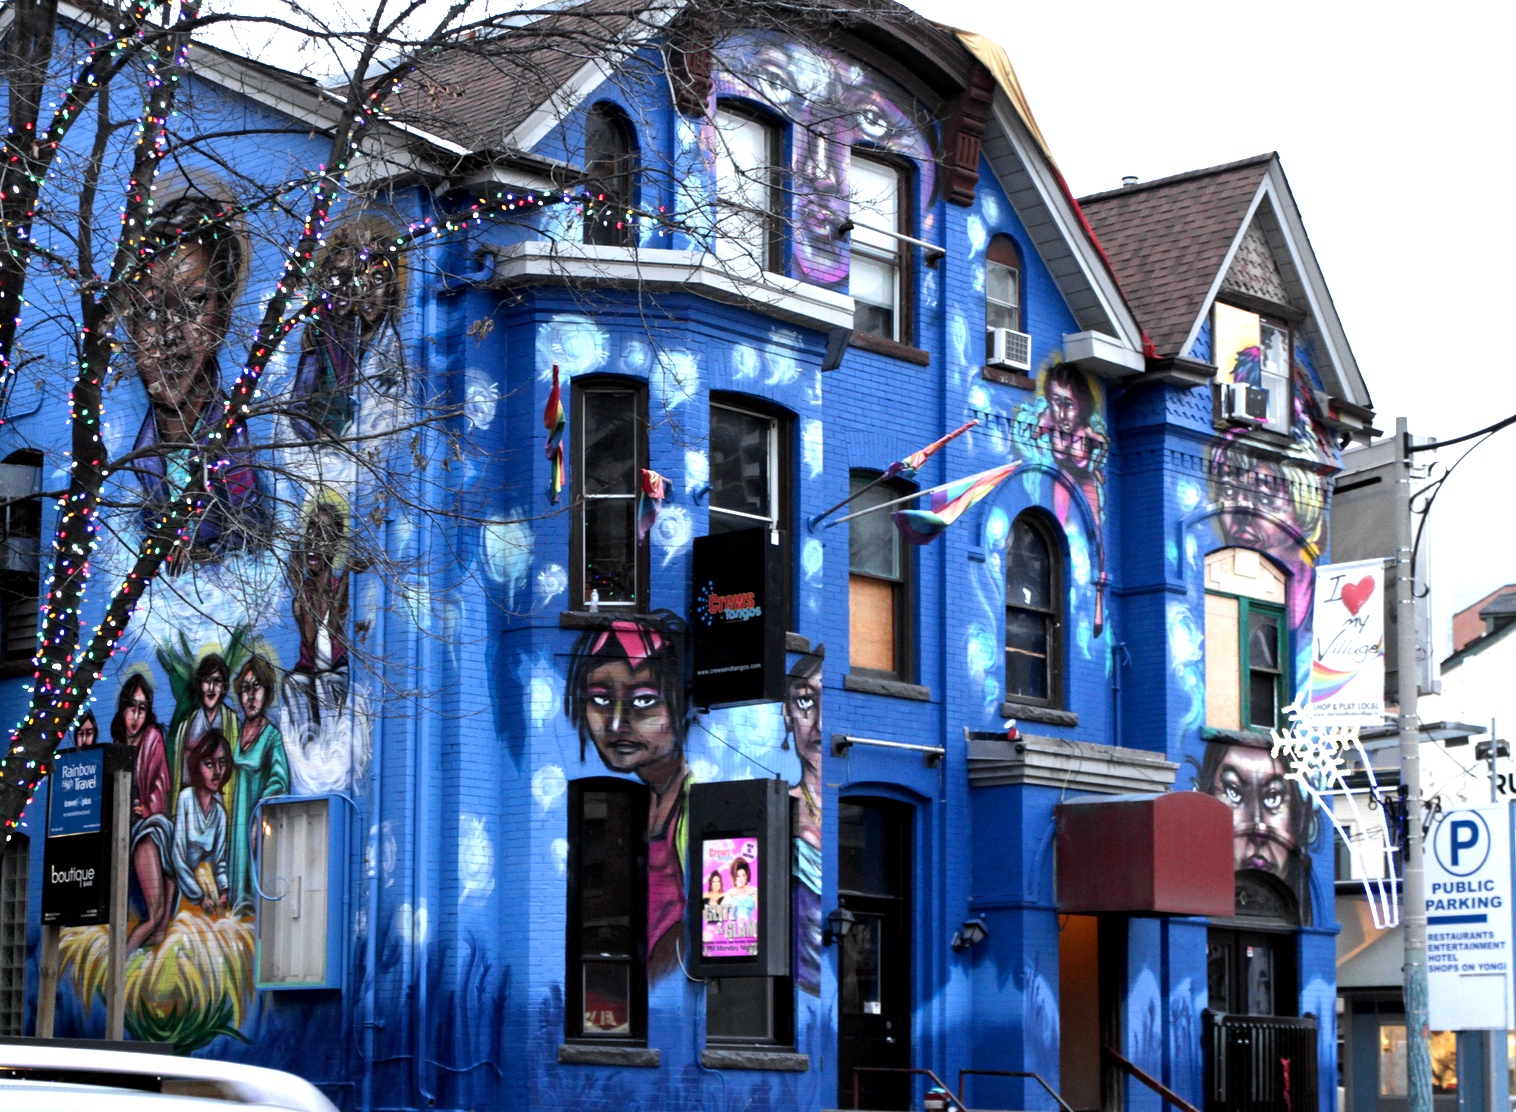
626 694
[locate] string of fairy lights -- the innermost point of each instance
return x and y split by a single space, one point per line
66 681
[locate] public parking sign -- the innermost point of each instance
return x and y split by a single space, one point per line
1468 886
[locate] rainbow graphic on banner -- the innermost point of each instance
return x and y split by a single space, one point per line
949 504
1327 682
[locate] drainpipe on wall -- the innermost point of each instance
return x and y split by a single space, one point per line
371 911
422 727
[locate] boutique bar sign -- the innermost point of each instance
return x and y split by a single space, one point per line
738 619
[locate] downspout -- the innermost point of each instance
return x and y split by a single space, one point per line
1120 658
371 909
422 726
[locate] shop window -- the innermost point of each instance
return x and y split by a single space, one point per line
1392 1060
299 918
1247 682
13 877
610 161
1255 351
1033 615
879 582
20 555
606 991
747 190
609 440
877 278
1002 286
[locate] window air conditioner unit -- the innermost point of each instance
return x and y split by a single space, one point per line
1009 348
1242 404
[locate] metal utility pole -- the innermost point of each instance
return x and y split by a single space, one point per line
1413 917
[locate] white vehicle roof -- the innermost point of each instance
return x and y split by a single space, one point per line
180 1077
53 1096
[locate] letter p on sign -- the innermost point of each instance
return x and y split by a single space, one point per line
1464 836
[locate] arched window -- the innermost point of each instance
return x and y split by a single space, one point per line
1002 284
610 162
1033 615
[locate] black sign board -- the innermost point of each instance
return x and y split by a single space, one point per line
738 906
738 618
76 859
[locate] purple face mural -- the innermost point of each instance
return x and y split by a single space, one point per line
835 105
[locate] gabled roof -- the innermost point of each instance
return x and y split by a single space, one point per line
1173 241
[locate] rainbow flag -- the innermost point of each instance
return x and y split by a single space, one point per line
554 421
907 468
949 503
654 489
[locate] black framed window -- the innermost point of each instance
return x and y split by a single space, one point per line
748 156
878 277
609 439
1033 615
610 166
606 966
1002 285
750 1011
747 454
879 584
20 554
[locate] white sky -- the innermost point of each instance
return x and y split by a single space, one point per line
1394 124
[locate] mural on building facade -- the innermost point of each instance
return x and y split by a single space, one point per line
802 724
836 105
245 722
1272 501
626 696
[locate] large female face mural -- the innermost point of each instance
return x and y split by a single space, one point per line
1271 821
834 105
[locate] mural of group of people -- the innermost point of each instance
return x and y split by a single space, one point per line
237 716
625 696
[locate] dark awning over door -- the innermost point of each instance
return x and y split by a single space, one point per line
1168 853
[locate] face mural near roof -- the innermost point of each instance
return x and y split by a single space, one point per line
835 105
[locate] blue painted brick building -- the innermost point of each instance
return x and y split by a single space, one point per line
788 262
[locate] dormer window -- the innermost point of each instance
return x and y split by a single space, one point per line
1253 351
609 170
1002 285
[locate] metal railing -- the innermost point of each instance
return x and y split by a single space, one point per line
1257 1063
1136 1071
1037 1077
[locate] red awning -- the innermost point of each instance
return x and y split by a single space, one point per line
1169 853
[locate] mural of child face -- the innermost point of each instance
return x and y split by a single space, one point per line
322 535
135 715
86 734
213 768
1251 782
252 694
361 282
1252 504
175 323
212 690
628 719
1068 414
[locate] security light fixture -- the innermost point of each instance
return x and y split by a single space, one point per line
973 931
839 922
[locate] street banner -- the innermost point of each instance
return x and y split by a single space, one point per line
1468 905
1347 645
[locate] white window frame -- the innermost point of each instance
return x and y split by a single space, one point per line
883 250
772 520
747 204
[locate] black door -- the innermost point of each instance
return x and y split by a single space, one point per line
874 963
1251 972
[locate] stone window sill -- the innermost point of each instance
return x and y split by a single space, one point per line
867 341
583 1054
1022 712
732 1058
879 685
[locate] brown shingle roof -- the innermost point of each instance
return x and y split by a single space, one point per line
476 93
1167 240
